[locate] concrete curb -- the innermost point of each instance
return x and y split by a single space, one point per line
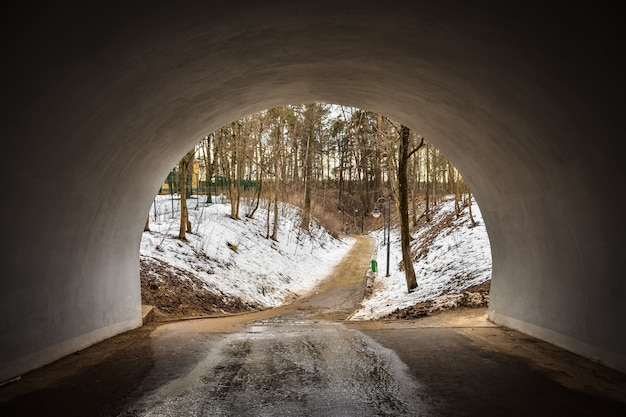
147 314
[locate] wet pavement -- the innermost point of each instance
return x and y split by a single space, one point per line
307 359
294 364
287 368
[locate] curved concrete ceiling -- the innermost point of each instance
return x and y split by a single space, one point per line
101 100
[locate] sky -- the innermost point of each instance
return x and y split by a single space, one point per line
234 258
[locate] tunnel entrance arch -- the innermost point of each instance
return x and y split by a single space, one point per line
511 96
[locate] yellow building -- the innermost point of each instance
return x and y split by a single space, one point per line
173 178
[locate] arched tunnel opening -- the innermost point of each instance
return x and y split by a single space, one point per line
264 223
526 101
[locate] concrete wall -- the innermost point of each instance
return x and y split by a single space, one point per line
100 101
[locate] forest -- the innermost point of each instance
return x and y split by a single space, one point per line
337 163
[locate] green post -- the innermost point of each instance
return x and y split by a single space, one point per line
373 265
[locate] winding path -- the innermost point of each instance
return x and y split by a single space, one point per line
334 298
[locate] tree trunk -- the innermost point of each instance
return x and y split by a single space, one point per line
268 217
275 225
208 164
185 224
469 202
403 207
306 211
235 170
257 197
457 190
414 191
428 170
274 235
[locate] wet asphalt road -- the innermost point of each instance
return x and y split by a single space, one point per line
293 364
299 360
290 368
306 359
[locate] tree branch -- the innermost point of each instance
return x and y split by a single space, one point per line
417 148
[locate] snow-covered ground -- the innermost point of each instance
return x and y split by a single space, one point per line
458 258
234 258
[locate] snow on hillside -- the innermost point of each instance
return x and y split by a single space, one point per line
454 256
233 259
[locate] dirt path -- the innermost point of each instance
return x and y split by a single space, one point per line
335 298
341 293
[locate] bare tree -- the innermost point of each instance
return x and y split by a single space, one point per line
274 235
277 120
427 189
208 163
236 168
185 163
404 154
310 116
259 180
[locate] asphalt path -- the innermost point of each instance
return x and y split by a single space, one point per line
307 359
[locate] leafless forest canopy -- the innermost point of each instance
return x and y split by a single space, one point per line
334 162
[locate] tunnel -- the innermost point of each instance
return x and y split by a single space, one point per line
101 99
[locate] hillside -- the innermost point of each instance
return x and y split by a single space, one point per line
229 266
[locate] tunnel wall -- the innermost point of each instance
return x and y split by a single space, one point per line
101 100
